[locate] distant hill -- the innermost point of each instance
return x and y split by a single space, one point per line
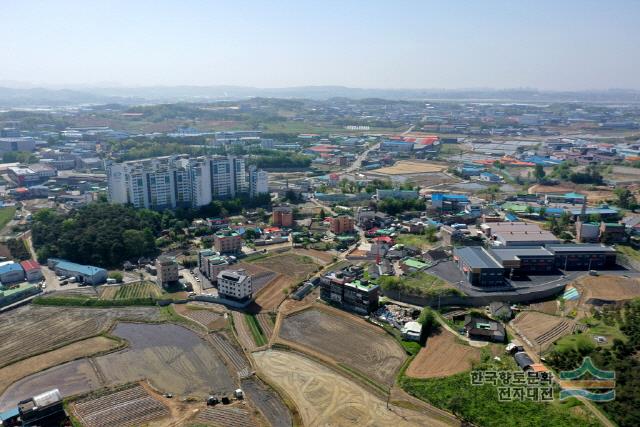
23 97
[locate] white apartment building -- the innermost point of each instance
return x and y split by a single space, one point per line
235 284
173 181
258 181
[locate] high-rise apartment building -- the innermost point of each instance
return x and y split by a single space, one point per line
258 181
174 181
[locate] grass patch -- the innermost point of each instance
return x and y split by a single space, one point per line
416 240
256 331
6 215
419 284
628 251
411 347
480 405
83 301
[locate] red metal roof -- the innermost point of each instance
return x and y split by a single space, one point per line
30 264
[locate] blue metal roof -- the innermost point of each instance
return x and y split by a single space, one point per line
87 270
10 267
9 413
441 196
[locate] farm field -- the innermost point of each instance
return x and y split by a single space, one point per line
270 297
225 416
268 402
290 268
258 335
346 340
548 307
541 330
130 291
410 167
260 276
442 356
70 378
290 264
130 407
34 329
266 324
210 319
172 358
12 373
229 349
323 397
245 338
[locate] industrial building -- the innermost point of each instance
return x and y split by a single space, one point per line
83 273
525 260
516 233
45 409
11 272
583 256
479 267
449 202
32 270
491 267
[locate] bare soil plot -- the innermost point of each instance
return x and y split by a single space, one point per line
325 398
266 324
321 257
548 307
268 402
345 339
172 358
540 330
270 297
607 288
70 378
210 319
442 356
130 407
411 166
290 264
260 276
226 416
33 329
12 373
228 349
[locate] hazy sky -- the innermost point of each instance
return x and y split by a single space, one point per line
559 44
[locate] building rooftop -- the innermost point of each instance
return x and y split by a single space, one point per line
513 254
477 257
6 267
30 264
87 270
578 247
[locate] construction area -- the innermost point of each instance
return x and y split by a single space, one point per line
444 355
404 167
325 398
343 339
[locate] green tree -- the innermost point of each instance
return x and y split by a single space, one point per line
539 173
625 198
429 323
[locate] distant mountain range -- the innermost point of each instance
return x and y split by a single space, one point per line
35 96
